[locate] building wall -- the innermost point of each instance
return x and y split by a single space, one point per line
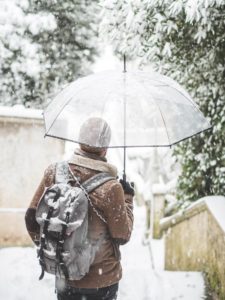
24 155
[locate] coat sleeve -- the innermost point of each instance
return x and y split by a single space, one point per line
119 213
32 226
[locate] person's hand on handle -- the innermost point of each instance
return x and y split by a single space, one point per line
128 187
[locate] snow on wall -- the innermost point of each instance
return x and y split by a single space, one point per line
216 205
21 112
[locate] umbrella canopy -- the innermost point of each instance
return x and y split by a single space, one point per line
143 109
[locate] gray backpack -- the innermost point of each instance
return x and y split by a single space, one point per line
62 214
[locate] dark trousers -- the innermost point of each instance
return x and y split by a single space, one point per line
106 293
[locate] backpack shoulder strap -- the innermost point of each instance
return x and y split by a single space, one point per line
91 184
62 173
95 181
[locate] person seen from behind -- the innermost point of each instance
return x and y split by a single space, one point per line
111 201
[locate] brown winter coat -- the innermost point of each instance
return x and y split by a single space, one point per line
110 201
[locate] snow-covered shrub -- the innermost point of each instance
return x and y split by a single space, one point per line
184 39
44 45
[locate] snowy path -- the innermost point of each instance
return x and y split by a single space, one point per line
141 282
20 271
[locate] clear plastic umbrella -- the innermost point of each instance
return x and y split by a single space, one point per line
143 109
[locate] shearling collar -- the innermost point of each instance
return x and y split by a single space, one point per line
90 155
93 164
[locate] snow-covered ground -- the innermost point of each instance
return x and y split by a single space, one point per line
20 271
145 279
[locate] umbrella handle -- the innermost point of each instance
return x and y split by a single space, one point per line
124 177
124 64
124 149
124 164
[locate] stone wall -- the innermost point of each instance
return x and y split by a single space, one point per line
195 241
24 155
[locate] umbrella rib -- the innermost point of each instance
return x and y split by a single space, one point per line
165 84
194 105
164 122
191 101
82 88
188 99
58 114
180 92
193 135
